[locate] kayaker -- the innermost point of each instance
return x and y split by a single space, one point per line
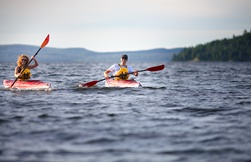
121 70
22 62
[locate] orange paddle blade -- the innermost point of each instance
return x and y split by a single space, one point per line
46 41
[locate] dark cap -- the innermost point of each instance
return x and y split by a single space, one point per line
124 57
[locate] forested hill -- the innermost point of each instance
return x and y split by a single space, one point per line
237 48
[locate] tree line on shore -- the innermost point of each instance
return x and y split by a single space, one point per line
237 48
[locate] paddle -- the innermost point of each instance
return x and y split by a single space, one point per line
45 42
92 83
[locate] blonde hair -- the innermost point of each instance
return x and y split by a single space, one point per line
19 60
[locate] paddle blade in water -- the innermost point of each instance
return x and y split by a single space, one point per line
89 84
46 41
156 68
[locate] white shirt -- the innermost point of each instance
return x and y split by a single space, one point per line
115 67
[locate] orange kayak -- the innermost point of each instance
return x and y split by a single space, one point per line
27 85
122 83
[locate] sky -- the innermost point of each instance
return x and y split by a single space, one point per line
122 25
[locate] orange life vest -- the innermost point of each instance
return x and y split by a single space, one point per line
25 75
122 73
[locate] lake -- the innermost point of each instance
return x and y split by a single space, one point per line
193 112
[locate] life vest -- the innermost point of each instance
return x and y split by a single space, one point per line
25 75
122 73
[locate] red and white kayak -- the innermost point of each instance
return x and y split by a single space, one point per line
122 83
27 85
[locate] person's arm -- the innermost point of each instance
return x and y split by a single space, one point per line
106 73
135 73
17 72
131 70
34 65
111 69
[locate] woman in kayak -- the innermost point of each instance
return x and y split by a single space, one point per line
121 70
22 62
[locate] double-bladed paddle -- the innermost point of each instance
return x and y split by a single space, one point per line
152 69
45 42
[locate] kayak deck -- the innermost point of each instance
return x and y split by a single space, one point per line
122 83
27 85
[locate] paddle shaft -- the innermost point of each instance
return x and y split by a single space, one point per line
113 76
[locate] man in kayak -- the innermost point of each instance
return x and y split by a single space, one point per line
22 63
121 70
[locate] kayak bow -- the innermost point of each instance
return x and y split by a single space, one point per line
122 83
27 85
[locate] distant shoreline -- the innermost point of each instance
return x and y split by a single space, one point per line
9 53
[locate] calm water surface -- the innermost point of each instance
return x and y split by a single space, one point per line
195 112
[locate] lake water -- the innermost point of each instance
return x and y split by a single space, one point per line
194 112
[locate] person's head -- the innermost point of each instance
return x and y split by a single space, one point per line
22 60
124 57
